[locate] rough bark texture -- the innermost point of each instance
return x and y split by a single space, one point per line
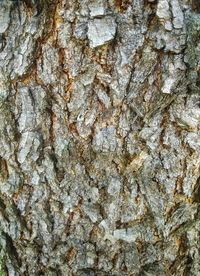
99 136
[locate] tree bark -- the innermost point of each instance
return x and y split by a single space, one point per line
99 136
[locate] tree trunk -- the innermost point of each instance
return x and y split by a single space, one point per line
99 135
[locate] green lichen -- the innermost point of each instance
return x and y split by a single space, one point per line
193 26
1 266
192 53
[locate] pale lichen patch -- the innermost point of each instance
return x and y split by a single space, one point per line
101 31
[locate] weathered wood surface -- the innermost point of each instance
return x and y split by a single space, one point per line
99 137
